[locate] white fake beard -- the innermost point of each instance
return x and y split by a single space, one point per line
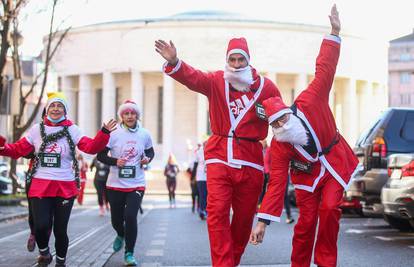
240 79
292 132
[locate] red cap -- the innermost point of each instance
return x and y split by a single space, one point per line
275 108
238 46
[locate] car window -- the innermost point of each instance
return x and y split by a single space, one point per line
408 127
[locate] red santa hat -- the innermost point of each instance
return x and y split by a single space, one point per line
275 108
238 46
128 105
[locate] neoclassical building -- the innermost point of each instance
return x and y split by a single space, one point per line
99 66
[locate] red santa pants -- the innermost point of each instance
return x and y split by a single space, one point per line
323 203
81 192
237 188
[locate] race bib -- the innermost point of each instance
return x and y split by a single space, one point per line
301 166
127 172
49 160
260 111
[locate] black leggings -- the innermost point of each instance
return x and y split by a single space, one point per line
171 185
47 210
124 211
100 186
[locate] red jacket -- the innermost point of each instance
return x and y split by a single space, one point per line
222 146
312 108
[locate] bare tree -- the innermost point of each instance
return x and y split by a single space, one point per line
52 42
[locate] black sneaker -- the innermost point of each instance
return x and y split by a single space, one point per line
60 262
44 260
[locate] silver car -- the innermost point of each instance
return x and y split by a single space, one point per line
398 193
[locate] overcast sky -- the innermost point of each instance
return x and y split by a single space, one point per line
382 20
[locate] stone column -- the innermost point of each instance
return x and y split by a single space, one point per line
202 106
301 82
167 116
108 96
70 93
85 106
137 89
351 111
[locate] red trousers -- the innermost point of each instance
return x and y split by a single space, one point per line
323 203
81 191
234 188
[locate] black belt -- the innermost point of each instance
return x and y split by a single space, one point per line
238 138
327 149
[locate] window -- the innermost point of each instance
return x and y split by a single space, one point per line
159 114
408 127
405 57
405 77
405 99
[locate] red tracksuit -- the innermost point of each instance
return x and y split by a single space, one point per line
234 166
318 193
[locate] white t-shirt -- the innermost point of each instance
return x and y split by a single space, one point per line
201 167
60 147
128 145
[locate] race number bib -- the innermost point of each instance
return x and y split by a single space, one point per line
127 172
49 160
260 111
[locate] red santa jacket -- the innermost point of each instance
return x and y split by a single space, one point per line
313 109
224 146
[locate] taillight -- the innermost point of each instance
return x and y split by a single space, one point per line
408 169
379 148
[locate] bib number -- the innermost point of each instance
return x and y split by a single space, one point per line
127 172
260 111
49 160
301 166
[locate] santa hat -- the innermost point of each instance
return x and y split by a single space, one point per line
275 108
56 97
238 46
128 105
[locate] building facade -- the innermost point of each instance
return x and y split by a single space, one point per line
99 66
401 71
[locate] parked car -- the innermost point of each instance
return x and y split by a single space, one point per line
398 193
391 133
6 187
351 201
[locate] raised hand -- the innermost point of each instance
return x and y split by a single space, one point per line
167 51
335 22
110 125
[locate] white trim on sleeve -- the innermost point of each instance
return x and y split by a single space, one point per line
268 217
175 68
333 38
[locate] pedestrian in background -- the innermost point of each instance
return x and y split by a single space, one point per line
99 181
201 178
170 172
83 168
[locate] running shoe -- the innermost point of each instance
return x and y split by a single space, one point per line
129 259
44 260
31 243
118 243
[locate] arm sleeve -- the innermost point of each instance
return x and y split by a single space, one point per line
96 144
104 158
272 205
18 149
194 79
326 63
149 153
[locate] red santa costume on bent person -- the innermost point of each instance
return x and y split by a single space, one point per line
319 189
233 153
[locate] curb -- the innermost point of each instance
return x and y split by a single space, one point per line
14 216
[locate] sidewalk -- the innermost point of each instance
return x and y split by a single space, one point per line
13 212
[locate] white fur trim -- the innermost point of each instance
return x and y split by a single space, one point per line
279 114
238 51
210 161
125 106
268 217
176 68
334 38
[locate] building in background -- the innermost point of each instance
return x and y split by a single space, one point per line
401 71
99 66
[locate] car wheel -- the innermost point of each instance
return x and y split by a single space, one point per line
397 223
360 212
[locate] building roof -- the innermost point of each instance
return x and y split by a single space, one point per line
404 39
205 15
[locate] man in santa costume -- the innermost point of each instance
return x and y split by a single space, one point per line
321 163
233 153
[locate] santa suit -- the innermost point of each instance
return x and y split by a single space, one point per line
233 156
318 193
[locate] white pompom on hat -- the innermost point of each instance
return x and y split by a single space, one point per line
128 105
